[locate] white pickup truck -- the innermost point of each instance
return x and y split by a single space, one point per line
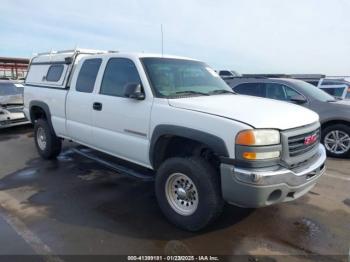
178 119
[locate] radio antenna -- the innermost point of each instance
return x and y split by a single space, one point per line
162 35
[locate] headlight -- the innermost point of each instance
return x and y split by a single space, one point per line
259 137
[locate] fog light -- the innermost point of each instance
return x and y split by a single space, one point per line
261 155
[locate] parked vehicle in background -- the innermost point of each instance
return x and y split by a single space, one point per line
336 87
11 104
334 114
175 119
339 88
338 91
225 74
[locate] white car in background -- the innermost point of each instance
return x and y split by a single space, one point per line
11 104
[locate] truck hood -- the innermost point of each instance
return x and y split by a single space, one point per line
254 111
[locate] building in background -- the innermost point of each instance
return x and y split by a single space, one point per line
13 68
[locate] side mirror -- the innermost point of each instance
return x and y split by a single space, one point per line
298 99
134 91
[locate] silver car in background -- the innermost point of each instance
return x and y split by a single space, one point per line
11 104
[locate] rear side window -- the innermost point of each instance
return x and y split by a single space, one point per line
251 89
87 75
290 93
54 73
275 91
118 74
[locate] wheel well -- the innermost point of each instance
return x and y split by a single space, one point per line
334 122
36 112
175 146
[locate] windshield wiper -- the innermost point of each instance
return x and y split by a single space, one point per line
191 92
221 91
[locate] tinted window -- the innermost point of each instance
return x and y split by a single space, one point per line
251 89
87 75
118 74
290 93
54 73
338 91
275 91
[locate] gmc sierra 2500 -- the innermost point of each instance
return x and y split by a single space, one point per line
176 117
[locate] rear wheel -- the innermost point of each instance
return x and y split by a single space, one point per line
336 139
47 143
188 192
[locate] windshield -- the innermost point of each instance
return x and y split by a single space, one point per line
314 91
334 91
8 88
177 77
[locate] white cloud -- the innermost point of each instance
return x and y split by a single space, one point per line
270 36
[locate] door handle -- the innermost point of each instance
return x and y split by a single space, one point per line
97 106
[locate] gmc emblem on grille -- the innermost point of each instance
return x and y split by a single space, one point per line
310 139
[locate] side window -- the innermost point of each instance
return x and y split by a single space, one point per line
87 75
290 93
251 89
118 74
275 91
54 73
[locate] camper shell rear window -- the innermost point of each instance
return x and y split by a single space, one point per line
54 73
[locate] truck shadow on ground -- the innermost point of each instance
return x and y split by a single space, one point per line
79 191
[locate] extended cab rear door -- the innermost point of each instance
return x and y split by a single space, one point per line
121 124
79 103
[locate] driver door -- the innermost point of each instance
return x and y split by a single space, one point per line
121 124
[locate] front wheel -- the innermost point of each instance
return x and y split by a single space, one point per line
336 139
188 192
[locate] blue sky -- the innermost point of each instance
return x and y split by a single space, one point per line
250 36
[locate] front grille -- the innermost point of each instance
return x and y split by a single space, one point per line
297 146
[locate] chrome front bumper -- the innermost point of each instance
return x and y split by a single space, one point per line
9 118
263 187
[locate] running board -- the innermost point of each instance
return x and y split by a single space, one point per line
101 158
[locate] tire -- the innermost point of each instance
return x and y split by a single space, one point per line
207 199
329 133
43 133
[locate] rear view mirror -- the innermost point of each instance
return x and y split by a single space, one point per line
134 91
298 99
